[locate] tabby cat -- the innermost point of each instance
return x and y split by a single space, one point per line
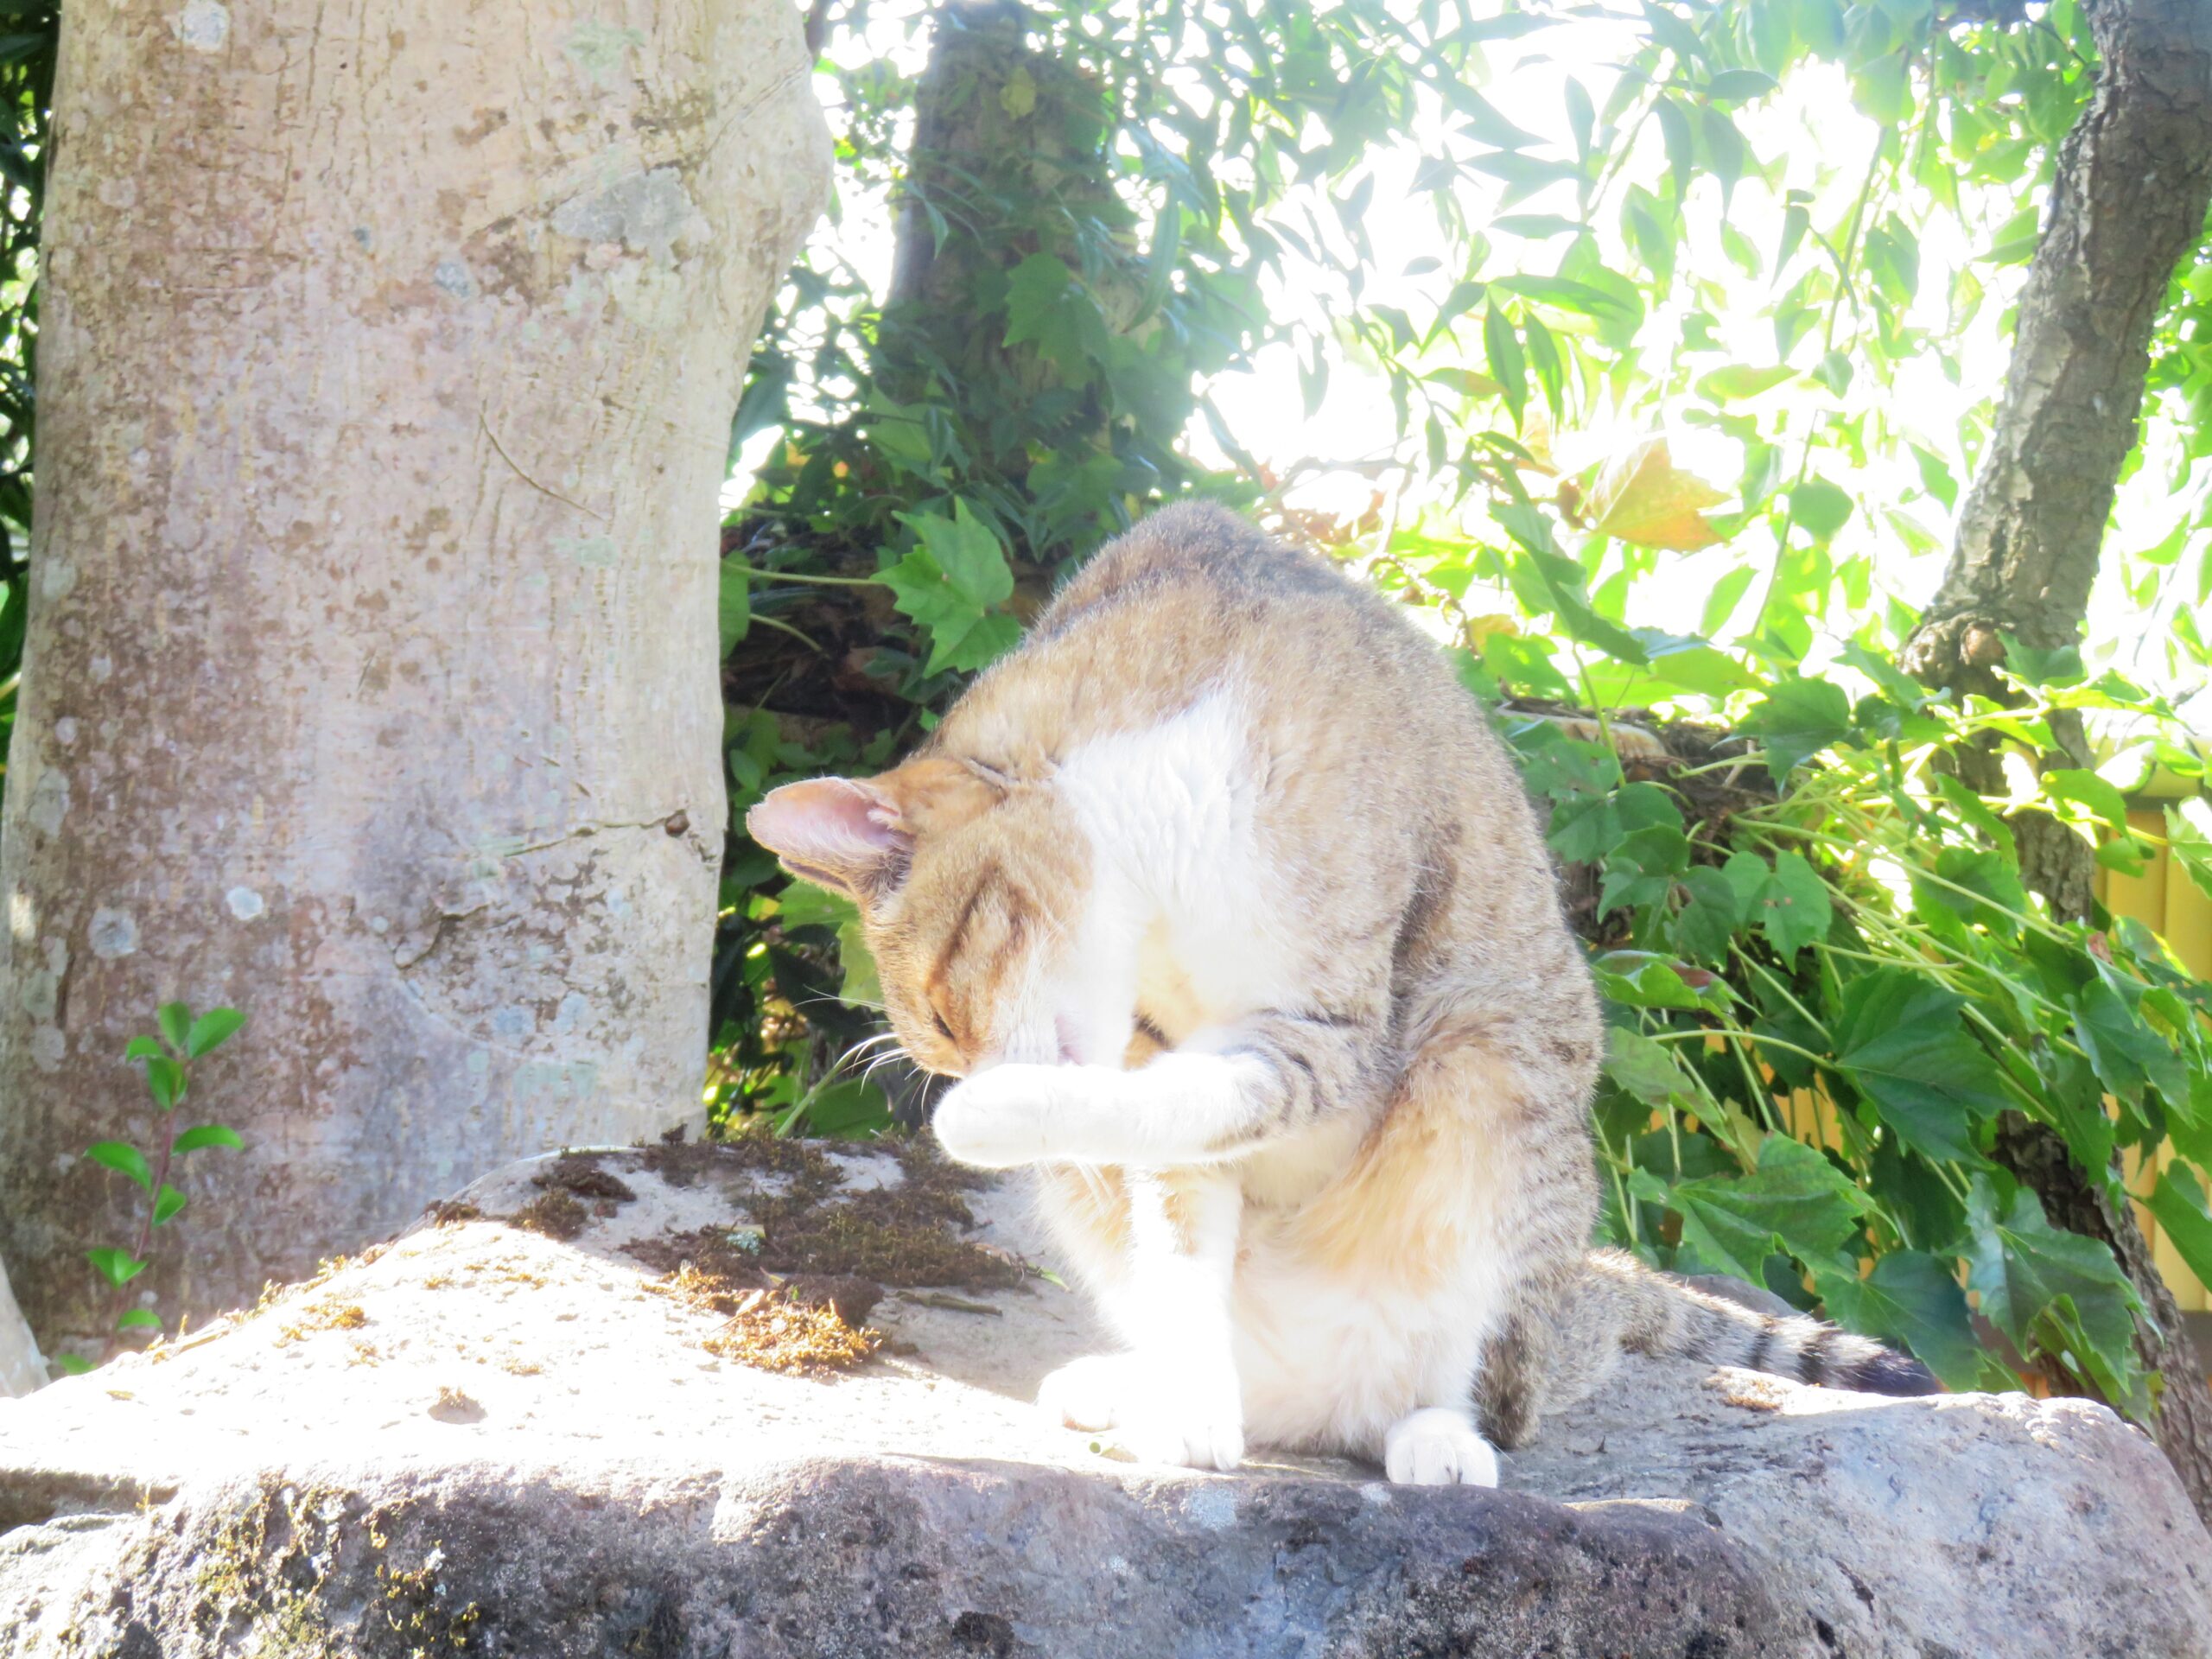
1226 906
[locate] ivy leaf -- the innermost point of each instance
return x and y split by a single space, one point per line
220 1135
143 1048
1710 916
1797 1201
2128 1054
1912 1298
948 581
176 1020
1787 899
119 1267
1642 497
1797 720
1900 1042
1993 898
2021 1265
210 1031
139 1319
1045 306
167 1203
1644 1068
2179 1203
123 1158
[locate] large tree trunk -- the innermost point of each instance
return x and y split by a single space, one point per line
2128 205
388 364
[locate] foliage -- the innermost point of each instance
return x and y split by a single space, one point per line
1668 340
29 33
169 1057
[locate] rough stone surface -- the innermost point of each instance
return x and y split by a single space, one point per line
487 1439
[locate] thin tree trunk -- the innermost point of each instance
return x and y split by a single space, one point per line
384 393
2127 205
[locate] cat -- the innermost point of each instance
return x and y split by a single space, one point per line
1225 904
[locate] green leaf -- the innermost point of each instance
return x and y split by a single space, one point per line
948 582
1798 719
2128 1054
1912 1298
2179 1203
1900 1042
1819 507
119 1267
2085 789
1508 366
1710 916
143 1048
139 1319
1644 1068
1736 84
176 1020
2021 1265
1797 1201
72 1364
1726 385
165 1081
167 1203
213 1135
123 1158
733 604
210 1031
1790 901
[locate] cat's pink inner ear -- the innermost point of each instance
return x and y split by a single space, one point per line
833 830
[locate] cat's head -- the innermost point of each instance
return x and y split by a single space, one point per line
971 887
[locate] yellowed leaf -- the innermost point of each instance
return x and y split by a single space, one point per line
1643 497
1480 628
1536 436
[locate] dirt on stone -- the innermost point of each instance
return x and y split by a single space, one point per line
583 1176
557 1214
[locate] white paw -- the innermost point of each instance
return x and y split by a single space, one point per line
1438 1446
1001 1117
1155 1417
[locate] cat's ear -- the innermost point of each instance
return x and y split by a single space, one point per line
856 835
836 832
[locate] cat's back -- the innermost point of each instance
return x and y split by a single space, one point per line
1195 597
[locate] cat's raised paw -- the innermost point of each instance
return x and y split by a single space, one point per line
1438 1446
999 1118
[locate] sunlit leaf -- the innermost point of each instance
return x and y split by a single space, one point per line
1642 497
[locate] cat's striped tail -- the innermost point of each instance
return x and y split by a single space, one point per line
1651 1313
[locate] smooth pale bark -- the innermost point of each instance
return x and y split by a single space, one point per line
387 363
2127 205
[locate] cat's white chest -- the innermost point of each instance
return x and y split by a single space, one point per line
1172 813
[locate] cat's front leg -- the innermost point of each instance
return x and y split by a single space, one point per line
1223 1093
1174 1397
